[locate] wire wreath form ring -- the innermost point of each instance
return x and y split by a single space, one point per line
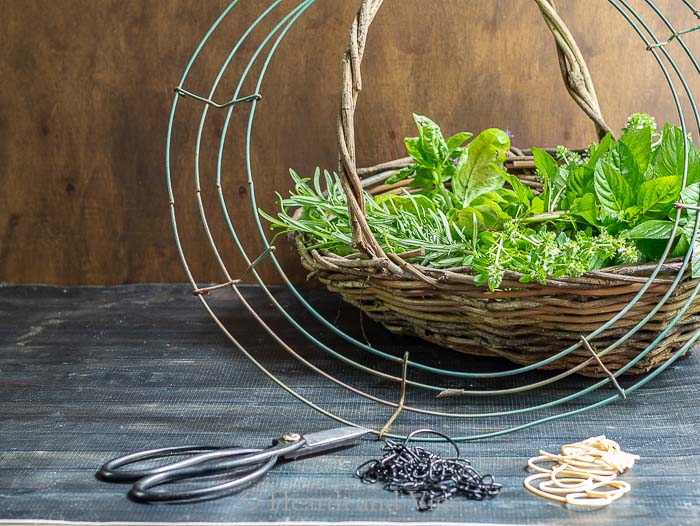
510 421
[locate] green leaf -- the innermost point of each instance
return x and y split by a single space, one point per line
632 214
415 150
478 169
432 144
579 182
546 165
558 189
622 159
652 229
596 152
638 141
424 177
652 172
513 204
457 140
448 171
485 216
489 197
656 196
695 260
585 208
669 156
537 205
554 178
402 174
522 191
690 195
681 246
612 190
653 249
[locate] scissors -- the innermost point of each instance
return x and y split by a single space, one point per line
207 461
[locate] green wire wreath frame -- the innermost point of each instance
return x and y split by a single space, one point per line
284 21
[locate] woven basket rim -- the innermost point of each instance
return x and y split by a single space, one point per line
615 276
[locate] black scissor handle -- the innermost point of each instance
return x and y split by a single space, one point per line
143 491
110 471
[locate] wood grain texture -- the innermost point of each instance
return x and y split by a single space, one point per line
92 373
87 88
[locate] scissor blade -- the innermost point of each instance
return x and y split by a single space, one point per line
330 439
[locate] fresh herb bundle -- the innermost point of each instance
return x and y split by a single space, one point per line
613 205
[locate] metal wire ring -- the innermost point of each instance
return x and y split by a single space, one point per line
300 8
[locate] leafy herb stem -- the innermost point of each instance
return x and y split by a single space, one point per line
557 215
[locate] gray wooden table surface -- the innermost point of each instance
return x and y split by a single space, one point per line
90 373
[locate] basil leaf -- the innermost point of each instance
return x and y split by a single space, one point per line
596 152
622 159
695 260
424 177
401 174
612 190
681 246
652 249
652 172
579 182
559 185
432 143
479 166
545 164
521 190
457 140
489 197
656 196
513 204
537 205
652 229
638 141
447 172
485 216
414 149
633 214
554 178
690 195
669 156
585 208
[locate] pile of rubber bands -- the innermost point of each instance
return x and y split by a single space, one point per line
583 474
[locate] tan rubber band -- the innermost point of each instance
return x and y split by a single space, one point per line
583 474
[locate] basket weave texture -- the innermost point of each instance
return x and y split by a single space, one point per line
522 322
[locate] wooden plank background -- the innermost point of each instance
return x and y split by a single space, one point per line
87 88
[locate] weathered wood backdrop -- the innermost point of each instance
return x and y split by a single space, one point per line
87 87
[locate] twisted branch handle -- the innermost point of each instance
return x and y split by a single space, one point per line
573 68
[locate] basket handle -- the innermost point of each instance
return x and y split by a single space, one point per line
573 69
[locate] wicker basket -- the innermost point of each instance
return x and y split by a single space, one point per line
523 322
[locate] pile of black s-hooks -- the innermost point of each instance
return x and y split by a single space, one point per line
430 478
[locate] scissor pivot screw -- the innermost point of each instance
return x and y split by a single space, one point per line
292 437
